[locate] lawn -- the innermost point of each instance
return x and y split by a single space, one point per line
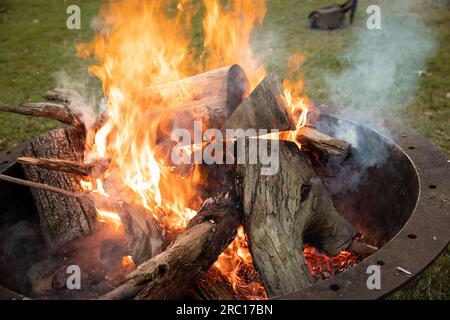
37 53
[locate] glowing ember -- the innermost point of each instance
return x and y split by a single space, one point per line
127 261
324 267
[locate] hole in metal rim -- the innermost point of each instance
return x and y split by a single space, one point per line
412 236
334 287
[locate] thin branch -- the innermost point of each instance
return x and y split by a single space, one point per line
42 186
94 169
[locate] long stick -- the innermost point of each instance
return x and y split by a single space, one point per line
41 186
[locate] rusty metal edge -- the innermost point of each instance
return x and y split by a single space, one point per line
418 244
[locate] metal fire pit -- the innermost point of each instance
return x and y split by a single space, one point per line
395 191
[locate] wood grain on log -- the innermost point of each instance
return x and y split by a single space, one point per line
211 96
323 144
265 108
62 218
171 273
284 210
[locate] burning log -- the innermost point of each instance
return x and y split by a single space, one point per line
211 96
171 273
285 210
92 170
62 218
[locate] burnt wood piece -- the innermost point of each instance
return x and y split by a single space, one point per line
62 217
173 272
93 170
211 97
323 144
288 208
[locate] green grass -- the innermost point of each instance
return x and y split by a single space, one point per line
35 47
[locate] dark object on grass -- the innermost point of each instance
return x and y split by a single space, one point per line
333 17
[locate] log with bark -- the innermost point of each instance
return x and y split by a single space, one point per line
62 218
171 273
284 210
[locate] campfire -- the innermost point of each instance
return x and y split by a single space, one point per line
112 200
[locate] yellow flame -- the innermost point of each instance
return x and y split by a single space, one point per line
142 44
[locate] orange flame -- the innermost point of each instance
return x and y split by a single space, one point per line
146 43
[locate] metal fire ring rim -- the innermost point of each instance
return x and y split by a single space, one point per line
430 165
420 241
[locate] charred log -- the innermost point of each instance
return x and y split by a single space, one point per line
171 273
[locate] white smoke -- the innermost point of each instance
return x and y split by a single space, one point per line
85 105
383 65
381 78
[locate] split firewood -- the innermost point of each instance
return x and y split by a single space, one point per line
62 218
211 97
173 272
93 170
291 207
284 211
266 108
323 144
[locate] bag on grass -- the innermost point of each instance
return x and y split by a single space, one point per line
332 17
